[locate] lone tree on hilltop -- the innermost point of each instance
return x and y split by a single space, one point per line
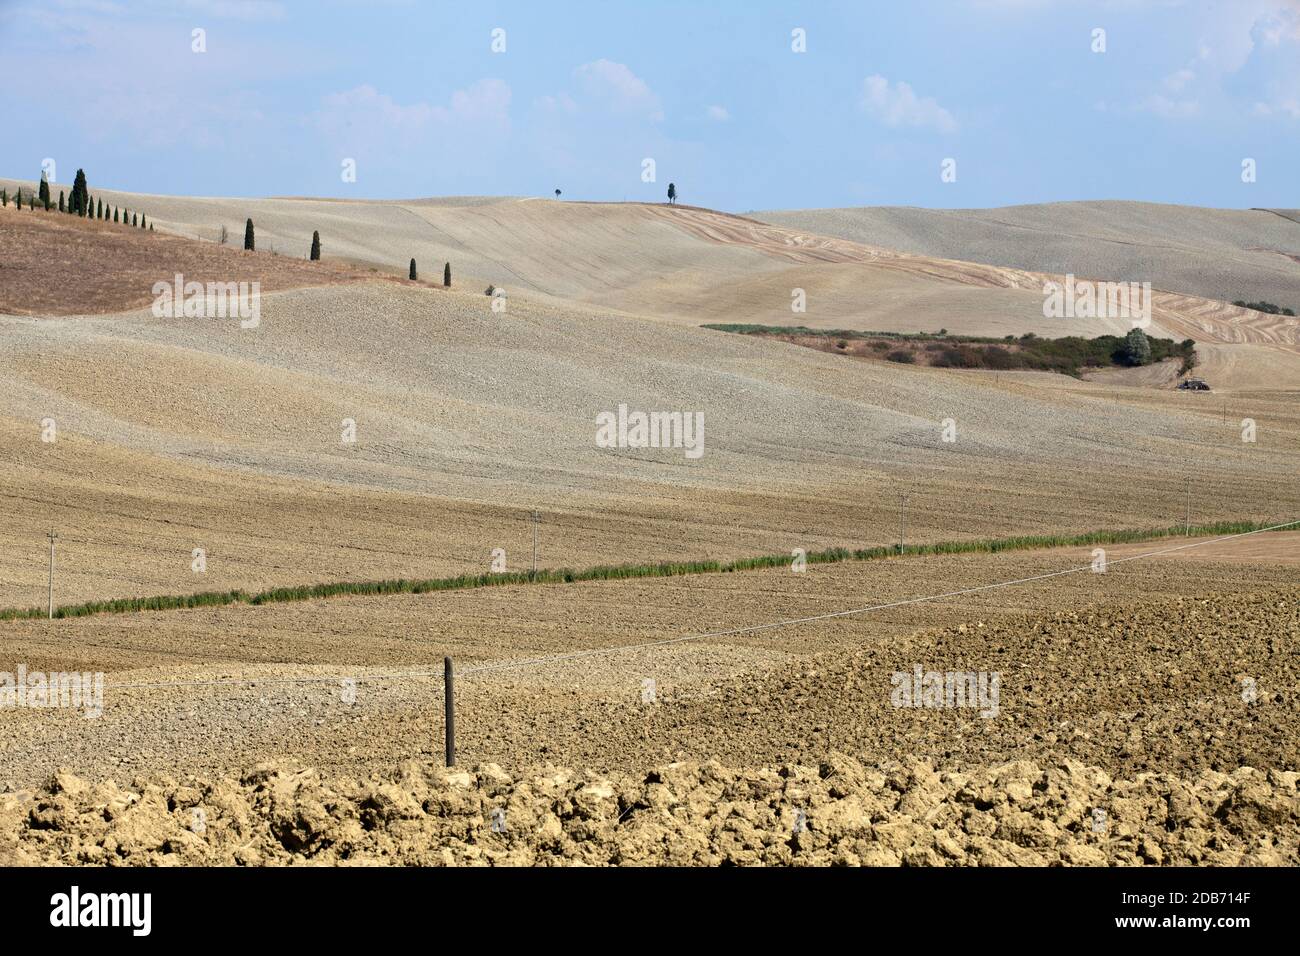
80 194
249 244
315 247
44 191
557 194
413 273
1137 348
446 276
672 193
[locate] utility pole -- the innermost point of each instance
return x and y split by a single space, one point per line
1187 532
902 521
53 537
536 517
449 711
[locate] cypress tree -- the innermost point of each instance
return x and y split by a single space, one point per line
413 274
4 197
44 191
115 214
446 276
61 209
19 199
315 246
80 195
143 221
249 243
99 210
135 220
47 203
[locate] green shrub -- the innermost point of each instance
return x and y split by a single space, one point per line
1137 350
1261 306
624 571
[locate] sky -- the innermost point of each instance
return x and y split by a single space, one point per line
743 104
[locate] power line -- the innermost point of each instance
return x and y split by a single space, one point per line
861 610
731 632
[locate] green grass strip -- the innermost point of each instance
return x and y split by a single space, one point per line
619 572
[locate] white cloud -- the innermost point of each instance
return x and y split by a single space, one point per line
1247 57
250 10
718 114
1169 108
1289 108
563 103
485 100
364 111
616 87
1169 104
898 105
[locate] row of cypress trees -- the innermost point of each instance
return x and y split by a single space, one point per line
79 202
83 204
250 245
446 274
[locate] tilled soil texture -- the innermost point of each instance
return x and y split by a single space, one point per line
1207 252
56 265
169 435
1143 668
838 812
1175 686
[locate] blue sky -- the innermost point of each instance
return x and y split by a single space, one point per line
584 92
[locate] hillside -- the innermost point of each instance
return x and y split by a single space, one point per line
1225 254
690 266
177 433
